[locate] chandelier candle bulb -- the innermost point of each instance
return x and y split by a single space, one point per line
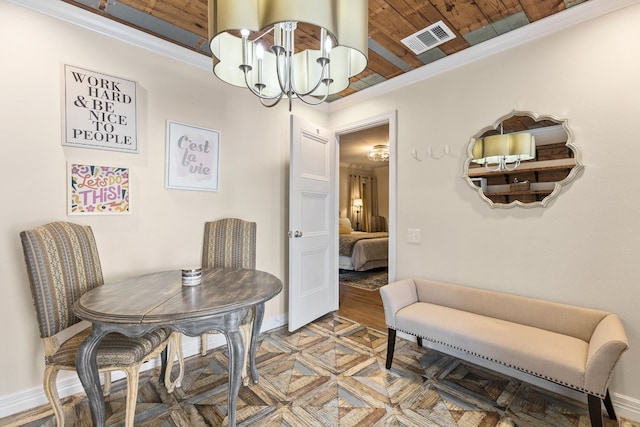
260 56
323 43
277 35
245 47
289 28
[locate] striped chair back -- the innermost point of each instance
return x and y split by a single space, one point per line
230 243
62 264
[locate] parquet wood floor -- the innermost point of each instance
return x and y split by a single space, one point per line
331 373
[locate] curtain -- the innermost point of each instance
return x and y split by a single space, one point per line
365 188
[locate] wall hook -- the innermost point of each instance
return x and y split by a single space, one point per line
446 151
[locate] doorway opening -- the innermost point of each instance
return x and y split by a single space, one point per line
366 199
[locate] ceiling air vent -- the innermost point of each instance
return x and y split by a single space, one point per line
428 38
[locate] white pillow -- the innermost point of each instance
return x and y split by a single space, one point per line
344 226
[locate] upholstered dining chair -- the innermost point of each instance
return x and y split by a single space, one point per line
230 243
63 264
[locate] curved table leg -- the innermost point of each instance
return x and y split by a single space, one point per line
87 369
163 366
255 332
235 341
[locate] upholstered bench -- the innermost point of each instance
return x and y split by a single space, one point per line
568 345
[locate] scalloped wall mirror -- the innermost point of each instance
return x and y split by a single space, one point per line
524 159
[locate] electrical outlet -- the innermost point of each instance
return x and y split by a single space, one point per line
413 236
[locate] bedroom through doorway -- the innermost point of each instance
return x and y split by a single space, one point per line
364 195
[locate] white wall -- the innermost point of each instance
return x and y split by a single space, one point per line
583 248
165 228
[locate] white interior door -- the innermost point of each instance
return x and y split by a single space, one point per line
313 234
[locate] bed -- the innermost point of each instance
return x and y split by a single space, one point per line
361 251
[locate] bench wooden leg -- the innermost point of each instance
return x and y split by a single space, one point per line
391 345
595 409
419 341
609 406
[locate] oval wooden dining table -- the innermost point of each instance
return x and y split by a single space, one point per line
224 301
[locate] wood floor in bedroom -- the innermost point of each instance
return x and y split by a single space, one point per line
362 306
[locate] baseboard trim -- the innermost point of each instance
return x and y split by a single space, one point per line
32 398
625 406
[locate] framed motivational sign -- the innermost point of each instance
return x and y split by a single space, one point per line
99 111
192 157
98 190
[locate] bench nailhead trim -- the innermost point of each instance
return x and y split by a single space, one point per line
562 383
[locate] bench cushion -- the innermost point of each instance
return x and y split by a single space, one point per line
578 322
546 354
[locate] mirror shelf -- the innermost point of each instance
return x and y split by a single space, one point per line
535 182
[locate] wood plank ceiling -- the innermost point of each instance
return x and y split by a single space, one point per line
184 22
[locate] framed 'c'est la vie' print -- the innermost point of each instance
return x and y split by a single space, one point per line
192 157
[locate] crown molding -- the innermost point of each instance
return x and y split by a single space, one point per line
99 24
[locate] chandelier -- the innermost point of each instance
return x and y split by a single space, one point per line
504 150
304 49
379 153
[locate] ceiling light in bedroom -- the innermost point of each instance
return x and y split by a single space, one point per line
305 49
379 153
